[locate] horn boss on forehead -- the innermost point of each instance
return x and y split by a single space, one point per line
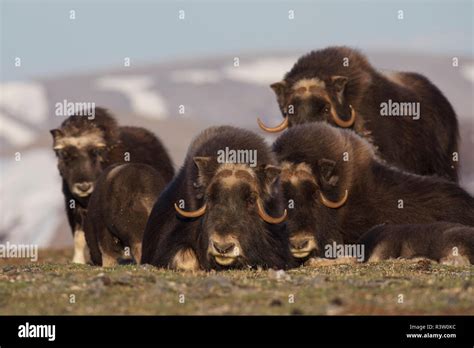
305 89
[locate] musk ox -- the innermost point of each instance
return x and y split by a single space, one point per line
220 211
85 147
408 119
118 211
339 189
445 242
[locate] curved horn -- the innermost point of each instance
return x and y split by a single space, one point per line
279 128
267 218
334 205
191 214
341 123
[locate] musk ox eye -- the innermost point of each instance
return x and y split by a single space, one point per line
64 155
96 152
326 109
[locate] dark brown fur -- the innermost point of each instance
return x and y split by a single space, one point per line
230 211
374 187
424 146
118 211
86 164
441 241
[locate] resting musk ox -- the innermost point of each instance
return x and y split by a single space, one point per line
118 211
85 147
338 85
220 212
445 242
340 189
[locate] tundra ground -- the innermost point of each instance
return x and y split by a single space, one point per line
55 286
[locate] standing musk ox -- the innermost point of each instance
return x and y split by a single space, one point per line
84 148
219 214
340 189
118 211
445 242
339 86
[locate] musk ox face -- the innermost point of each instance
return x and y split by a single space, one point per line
312 100
310 223
80 157
233 213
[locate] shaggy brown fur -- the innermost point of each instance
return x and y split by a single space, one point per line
424 146
118 211
341 160
444 242
86 147
230 229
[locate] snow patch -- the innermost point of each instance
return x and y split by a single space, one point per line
24 100
15 133
261 72
31 198
468 72
195 76
144 101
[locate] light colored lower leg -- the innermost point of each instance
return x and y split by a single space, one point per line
108 259
379 253
458 260
137 252
81 250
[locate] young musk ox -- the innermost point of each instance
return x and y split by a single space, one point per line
339 86
85 147
118 211
445 242
219 213
340 189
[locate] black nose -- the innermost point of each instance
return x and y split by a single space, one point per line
300 243
223 248
83 186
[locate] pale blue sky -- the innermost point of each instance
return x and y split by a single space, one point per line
104 32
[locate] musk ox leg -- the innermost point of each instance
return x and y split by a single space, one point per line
110 257
455 259
185 260
382 251
137 252
81 250
109 260
110 248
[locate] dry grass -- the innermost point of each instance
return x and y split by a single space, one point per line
47 287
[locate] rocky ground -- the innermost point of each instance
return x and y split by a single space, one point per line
54 286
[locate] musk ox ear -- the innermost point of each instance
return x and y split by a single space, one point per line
56 133
206 168
267 175
339 85
280 90
327 172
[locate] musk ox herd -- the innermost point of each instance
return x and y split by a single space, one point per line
364 158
